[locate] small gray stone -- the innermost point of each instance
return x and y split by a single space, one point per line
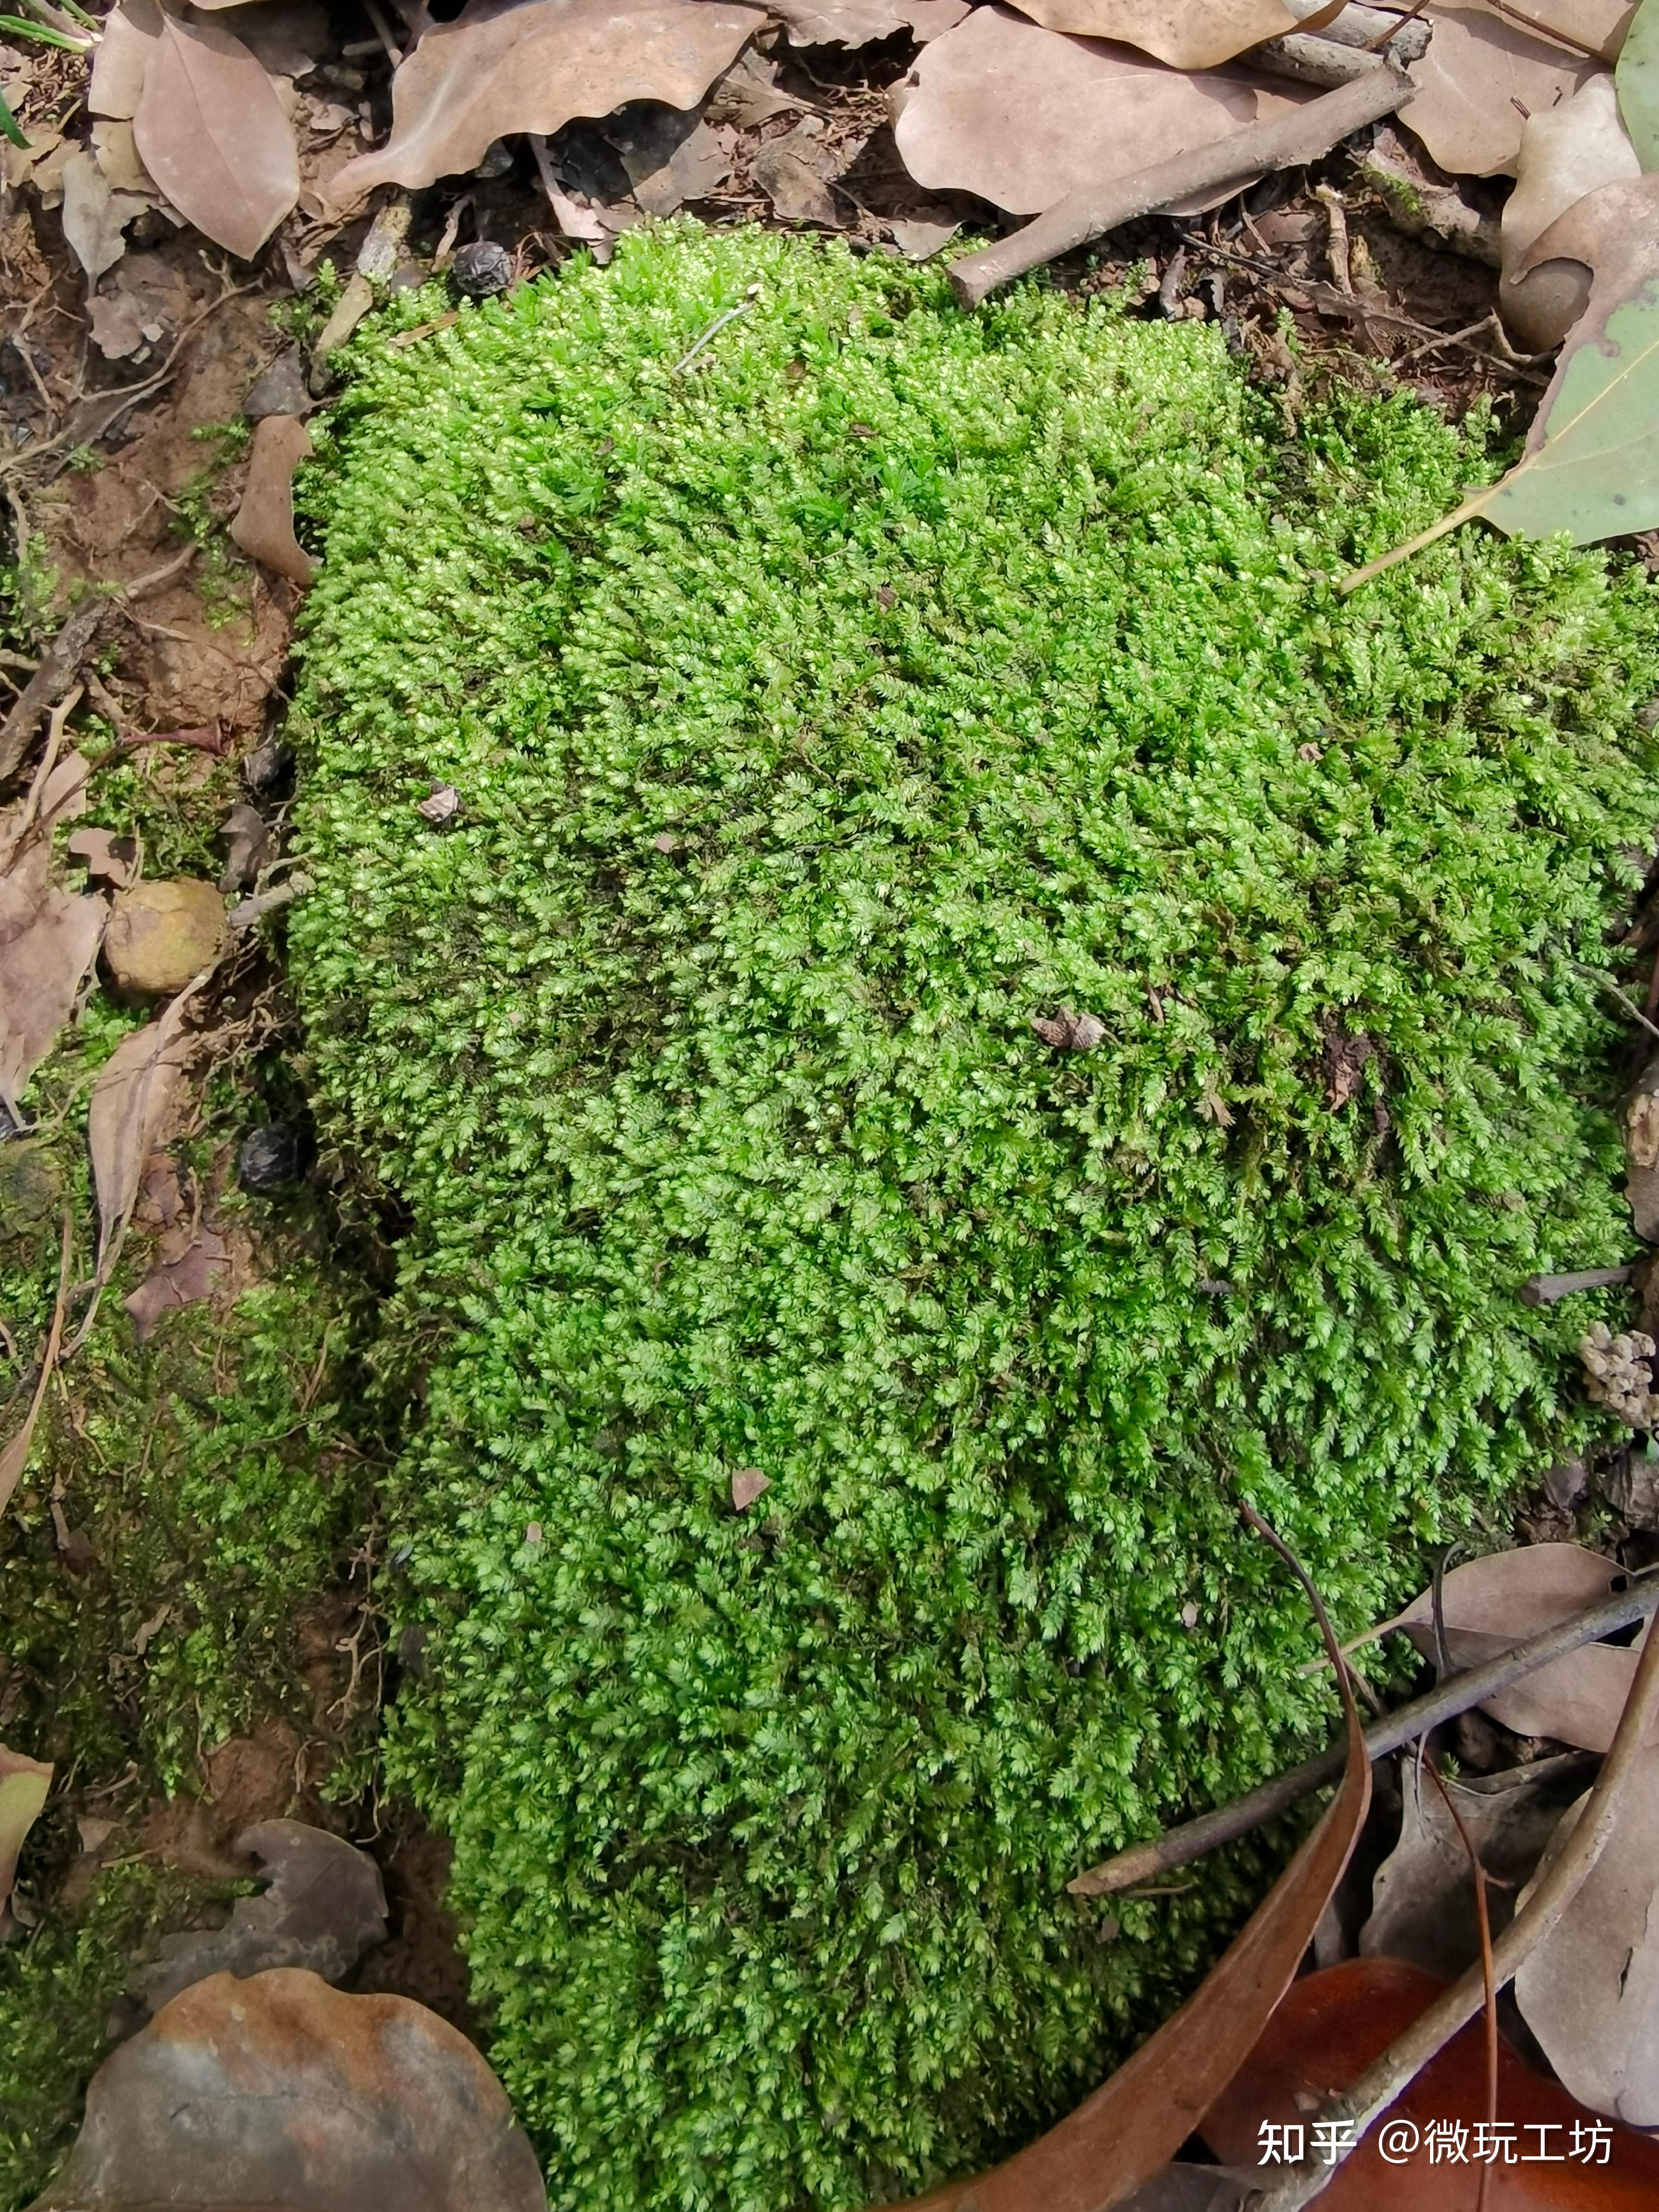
481 269
280 389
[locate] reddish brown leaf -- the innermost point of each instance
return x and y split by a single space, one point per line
278 2091
130 1100
1345 1059
23 1786
1127 2132
1328 2029
508 66
211 132
106 858
181 1281
747 1485
264 527
48 940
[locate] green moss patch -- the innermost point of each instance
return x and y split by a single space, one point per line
820 714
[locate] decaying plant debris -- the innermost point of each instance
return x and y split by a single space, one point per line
855 1593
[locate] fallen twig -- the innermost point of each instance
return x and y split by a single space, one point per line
50 680
1545 1289
1179 1846
717 325
1352 2112
1286 142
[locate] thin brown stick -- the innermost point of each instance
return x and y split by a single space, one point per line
1180 1846
1489 1986
1305 134
1355 2109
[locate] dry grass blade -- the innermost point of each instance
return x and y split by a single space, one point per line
15 1456
1131 2128
1353 2112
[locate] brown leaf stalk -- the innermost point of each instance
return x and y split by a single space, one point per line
1355 2109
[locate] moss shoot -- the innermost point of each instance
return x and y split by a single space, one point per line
820 714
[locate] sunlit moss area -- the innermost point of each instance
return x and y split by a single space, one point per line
820 713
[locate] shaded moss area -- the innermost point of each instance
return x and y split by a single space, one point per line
820 714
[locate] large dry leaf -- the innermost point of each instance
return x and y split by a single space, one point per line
1596 26
264 527
1188 34
1493 1603
48 939
287 37
23 1786
211 132
323 1907
508 65
1022 116
131 33
1423 1904
1565 152
1125 2135
1334 2024
130 1100
1591 1991
860 22
1480 79
277 2091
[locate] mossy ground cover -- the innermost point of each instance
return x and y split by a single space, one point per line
821 713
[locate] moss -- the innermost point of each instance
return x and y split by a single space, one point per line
820 715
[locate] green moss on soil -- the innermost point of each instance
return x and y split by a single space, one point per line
820 715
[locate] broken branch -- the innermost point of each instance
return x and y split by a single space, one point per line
1287 142
1193 1839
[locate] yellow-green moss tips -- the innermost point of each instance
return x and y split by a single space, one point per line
818 716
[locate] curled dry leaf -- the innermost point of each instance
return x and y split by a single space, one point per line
1565 152
440 805
322 1907
1022 116
131 1098
860 22
94 217
1490 1604
1330 2027
1591 1991
211 132
508 65
1070 1032
279 2091
181 1278
1188 34
23 1786
264 527
1481 77
1423 1905
106 858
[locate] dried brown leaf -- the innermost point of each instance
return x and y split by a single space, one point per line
509 65
134 1092
860 22
748 93
116 152
1591 1991
264 527
1422 1894
247 841
106 858
323 1907
48 940
1188 34
285 37
278 2090
131 33
1493 1603
1022 116
1481 77
671 156
1565 152
797 191
440 806
183 1280
747 1485
1345 1058
211 132
94 217
23 1786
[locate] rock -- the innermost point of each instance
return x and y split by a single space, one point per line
479 270
270 1157
268 765
160 934
280 389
